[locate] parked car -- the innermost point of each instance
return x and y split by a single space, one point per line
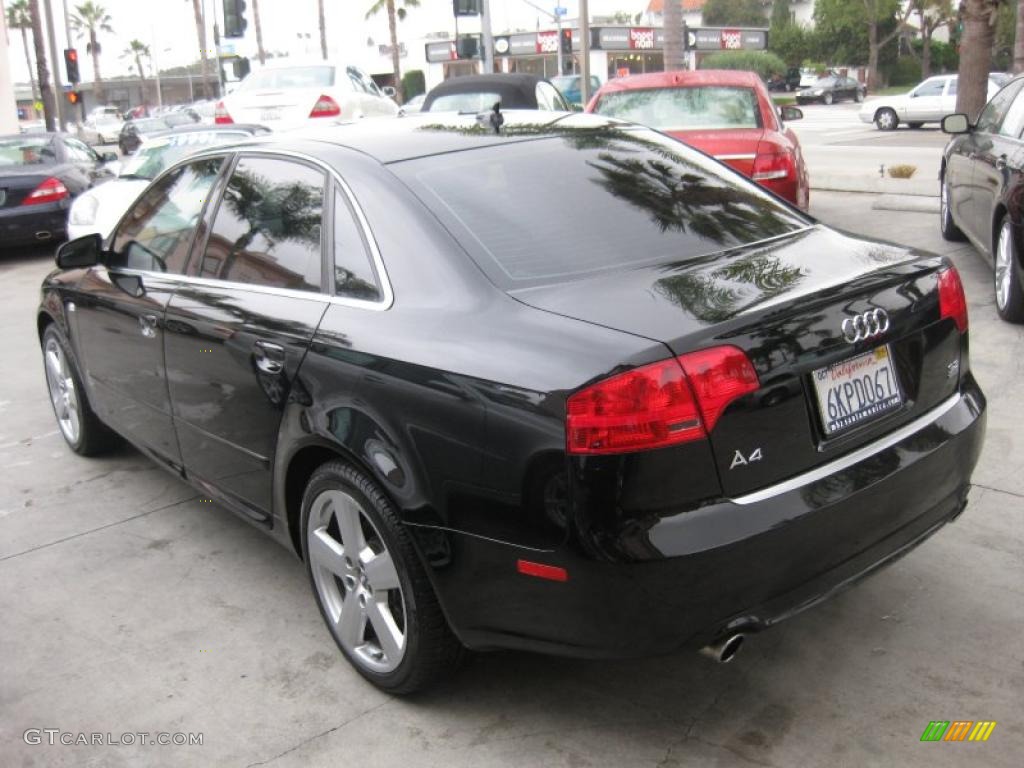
790 81
479 93
728 114
927 102
481 425
289 95
830 89
413 105
99 209
99 129
40 174
134 131
982 188
569 87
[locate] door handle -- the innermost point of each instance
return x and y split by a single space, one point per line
269 357
1001 163
148 323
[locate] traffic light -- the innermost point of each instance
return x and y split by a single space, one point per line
467 46
71 65
241 67
74 97
566 41
466 7
234 18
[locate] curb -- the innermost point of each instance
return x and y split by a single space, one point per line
922 187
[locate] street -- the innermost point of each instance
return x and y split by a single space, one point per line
130 605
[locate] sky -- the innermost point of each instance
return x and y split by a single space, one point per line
168 27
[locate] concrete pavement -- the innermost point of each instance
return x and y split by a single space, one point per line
130 605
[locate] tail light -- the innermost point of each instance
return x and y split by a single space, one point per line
952 301
49 191
773 166
665 403
325 107
221 116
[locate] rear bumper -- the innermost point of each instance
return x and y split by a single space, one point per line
23 225
739 564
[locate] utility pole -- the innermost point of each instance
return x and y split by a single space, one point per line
558 26
485 36
56 57
585 53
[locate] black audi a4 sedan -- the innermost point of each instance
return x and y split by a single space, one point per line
570 387
982 191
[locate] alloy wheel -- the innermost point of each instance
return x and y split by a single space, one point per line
943 202
886 120
357 582
63 394
1003 266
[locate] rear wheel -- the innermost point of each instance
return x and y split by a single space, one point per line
826 99
886 120
858 96
372 590
1009 296
950 231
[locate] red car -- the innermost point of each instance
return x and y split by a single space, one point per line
725 113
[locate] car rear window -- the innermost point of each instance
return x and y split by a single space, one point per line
593 200
668 109
289 77
27 150
464 102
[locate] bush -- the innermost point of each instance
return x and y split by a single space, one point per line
905 71
902 171
413 83
765 64
791 43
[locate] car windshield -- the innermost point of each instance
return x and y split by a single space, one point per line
150 124
669 109
999 78
27 150
157 154
566 82
289 77
649 200
464 102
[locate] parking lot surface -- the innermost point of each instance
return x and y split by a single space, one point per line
130 605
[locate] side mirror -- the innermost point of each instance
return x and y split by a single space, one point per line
389 91
788 114
81 252
956 123
109 157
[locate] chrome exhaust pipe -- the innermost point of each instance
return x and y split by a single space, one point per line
43 235
723 651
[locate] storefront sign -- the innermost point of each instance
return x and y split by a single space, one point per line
547 42
526 44
501 45
629 38
718 39
641 39
444 51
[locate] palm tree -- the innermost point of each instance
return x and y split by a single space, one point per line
137 50
979 20
393 17
201 34
323 29
19 17
674 49
42 72
259 31
91 17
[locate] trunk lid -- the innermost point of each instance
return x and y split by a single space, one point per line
17 184
736 148
783 302
280 106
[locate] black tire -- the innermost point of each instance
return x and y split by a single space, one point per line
1010 300
886 119
431 650
914 125
858 96
93 436
950 231
826 99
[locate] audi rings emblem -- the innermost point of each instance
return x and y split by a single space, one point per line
867 325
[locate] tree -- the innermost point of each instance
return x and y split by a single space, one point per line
91 18
979 22
197 10
781 17
673 53
137 50
733 13
844 21
323 29
876 12
19 17
393 17
42 71
1018 41
259 31
931 15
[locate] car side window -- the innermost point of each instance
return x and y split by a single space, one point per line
930 88
79 152
356 80
994 112
354 276
1013 123
267 230
156 233
951 89
543 97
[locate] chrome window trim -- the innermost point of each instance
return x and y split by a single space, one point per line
381 305
742 156
857 456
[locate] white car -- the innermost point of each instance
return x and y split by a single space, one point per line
101 128
100 208
290 95
927 102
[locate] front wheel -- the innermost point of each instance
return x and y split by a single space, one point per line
1009 296
371 587
858 96
950 231
826 99
886 120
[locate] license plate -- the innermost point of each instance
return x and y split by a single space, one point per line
270 114
856 390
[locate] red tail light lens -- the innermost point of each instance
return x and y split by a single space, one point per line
952 301
221 116
774 166
49 191
665 403
325 107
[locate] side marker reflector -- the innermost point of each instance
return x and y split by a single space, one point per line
541 571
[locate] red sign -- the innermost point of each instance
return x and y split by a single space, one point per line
732 39
547 42
641 38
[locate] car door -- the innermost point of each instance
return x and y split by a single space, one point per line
119 310
87 160
240 326
996 156
924 103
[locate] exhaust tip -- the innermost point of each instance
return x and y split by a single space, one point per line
724 650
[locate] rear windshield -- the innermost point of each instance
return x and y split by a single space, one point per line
151 158
464 102
593 200
27 150
289 77
669 109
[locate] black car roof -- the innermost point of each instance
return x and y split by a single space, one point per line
424 134
516 90
250 128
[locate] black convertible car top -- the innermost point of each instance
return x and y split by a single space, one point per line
514 91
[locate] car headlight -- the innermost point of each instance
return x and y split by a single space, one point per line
83 210
817 92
